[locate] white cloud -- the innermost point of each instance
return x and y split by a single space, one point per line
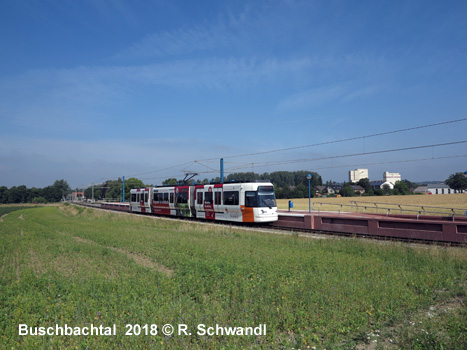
178 42
362 93
311 97
85 94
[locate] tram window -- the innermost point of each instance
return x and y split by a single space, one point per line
146 197
182 197
166 197
251 199
171 197
218 198
208 198
133 197
231 198
199 198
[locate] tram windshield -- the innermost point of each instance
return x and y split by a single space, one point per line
264 197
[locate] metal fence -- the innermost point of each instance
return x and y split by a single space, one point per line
389 209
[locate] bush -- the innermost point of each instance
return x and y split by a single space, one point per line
40 200
347 191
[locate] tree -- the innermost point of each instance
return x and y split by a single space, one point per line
283 192
95 191
22 194
131 183
241 177
288 184
35 193
300 191
411 185
18 194
365 183
387 190
55 192
378 192
48 194
39 200
4 195
401 188
347 191
457 181
113 189
170 182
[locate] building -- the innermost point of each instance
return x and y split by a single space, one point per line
421 189
441 188
378 185
358 174
324 190
358 189
78 196
437 188
391 177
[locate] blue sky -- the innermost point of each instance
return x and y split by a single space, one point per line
93 90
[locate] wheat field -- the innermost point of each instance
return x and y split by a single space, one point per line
411 204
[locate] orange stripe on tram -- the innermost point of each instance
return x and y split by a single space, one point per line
248 214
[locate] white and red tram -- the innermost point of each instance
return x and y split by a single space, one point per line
140 200
240 202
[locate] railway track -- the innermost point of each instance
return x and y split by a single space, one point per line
303 232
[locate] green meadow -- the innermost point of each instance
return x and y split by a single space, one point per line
80 267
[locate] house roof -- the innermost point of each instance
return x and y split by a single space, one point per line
421 189
439 185
375 183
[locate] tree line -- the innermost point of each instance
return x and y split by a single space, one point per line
403 187
22 194
288 184
112 189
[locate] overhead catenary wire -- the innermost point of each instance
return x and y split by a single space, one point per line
158 170
390 162
342 140
232 170
349 155
242 165
301 147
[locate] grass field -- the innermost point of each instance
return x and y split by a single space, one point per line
4 209
76 266
410 204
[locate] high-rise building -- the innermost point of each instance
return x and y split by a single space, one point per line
391 177
358 174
